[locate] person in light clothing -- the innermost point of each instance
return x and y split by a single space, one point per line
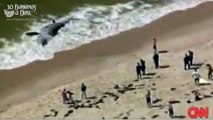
196 76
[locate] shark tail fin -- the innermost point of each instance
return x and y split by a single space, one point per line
32 33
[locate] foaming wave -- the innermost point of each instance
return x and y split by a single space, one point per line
88 23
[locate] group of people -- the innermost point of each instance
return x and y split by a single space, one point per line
141 66
141 69
67 95
188 60
149 104
196 75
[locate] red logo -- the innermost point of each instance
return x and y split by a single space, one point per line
195 112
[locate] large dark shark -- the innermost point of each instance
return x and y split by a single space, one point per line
48 32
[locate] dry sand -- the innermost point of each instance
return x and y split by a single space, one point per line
33 90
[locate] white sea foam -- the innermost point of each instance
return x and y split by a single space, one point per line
88 24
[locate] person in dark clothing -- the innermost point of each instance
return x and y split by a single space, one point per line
138 71
69 96
64 96
143 66
171 110
148 99
210 71
83 90
156 60
186 62
155 45
191 55
197 96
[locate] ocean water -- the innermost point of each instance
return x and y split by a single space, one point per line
88 23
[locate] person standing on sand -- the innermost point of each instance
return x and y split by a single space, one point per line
196 76
148 99
143 66
69 95
156 60
210 71
83 91
171 110
138 71
64 96
191 56
155 45
186 62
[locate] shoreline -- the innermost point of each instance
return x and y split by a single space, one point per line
90 56
15 62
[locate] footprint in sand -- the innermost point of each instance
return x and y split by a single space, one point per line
155 116
157 101
174 102
207 96
125 118
153 89
143 118
153 84
98 102
140 85
116 86
98 107
54 113
104 96
116 97
173 89
47 116
68 113
187 94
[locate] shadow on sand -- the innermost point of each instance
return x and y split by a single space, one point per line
163 51
150 74
164 66
179 117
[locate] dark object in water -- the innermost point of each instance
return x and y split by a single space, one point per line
48 32
32 33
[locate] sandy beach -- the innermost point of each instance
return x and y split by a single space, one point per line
107 67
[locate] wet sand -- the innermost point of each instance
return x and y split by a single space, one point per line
103 64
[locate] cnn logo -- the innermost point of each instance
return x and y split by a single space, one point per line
195 112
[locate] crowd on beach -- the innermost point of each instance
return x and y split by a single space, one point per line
188 62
